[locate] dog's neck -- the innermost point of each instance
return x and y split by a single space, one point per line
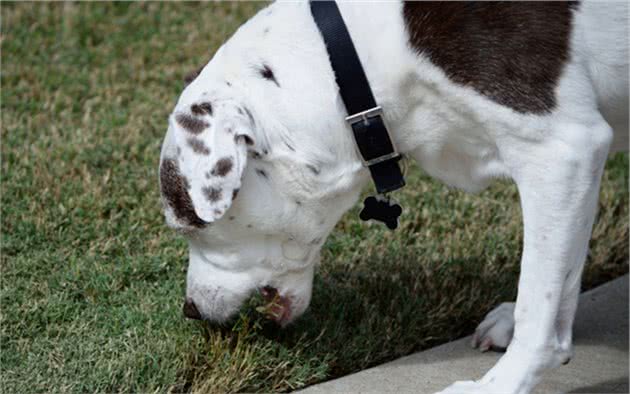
423 112
421 105
379 36
426 112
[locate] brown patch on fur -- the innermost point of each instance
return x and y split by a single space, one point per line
212 194
235 193
268 74
198 146
223 166
174 190
191 124
511 52
201 109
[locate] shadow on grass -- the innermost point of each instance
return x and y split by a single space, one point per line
384 309
381 309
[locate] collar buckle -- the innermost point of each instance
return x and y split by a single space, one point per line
371 136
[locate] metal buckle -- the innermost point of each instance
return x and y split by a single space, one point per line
363 117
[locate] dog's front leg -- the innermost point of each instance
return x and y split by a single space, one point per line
558 183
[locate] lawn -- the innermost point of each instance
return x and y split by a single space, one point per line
93 281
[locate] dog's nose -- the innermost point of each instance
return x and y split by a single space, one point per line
190 310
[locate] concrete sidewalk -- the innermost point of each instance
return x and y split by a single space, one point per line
600 364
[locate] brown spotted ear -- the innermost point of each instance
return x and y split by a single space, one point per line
209 146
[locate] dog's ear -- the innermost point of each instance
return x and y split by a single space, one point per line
207 152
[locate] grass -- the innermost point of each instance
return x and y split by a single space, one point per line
92 280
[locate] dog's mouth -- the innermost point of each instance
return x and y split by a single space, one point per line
277 307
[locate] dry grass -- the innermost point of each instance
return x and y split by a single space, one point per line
92 280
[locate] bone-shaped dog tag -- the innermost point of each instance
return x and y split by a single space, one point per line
381 208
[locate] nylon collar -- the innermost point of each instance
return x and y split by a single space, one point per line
365 116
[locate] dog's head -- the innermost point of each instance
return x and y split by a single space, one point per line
257 167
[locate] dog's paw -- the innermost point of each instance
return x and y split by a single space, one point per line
483 386
496 330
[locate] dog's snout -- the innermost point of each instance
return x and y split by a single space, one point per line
190 310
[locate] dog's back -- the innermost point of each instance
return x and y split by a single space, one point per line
602 35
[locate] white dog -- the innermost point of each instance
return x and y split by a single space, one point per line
537 92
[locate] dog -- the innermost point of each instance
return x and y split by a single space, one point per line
258 163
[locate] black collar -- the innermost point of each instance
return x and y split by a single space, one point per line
364 116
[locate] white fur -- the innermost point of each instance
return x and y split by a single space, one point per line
454 133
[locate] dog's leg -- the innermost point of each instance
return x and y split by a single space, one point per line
568 306
558 183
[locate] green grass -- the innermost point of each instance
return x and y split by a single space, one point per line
92 280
